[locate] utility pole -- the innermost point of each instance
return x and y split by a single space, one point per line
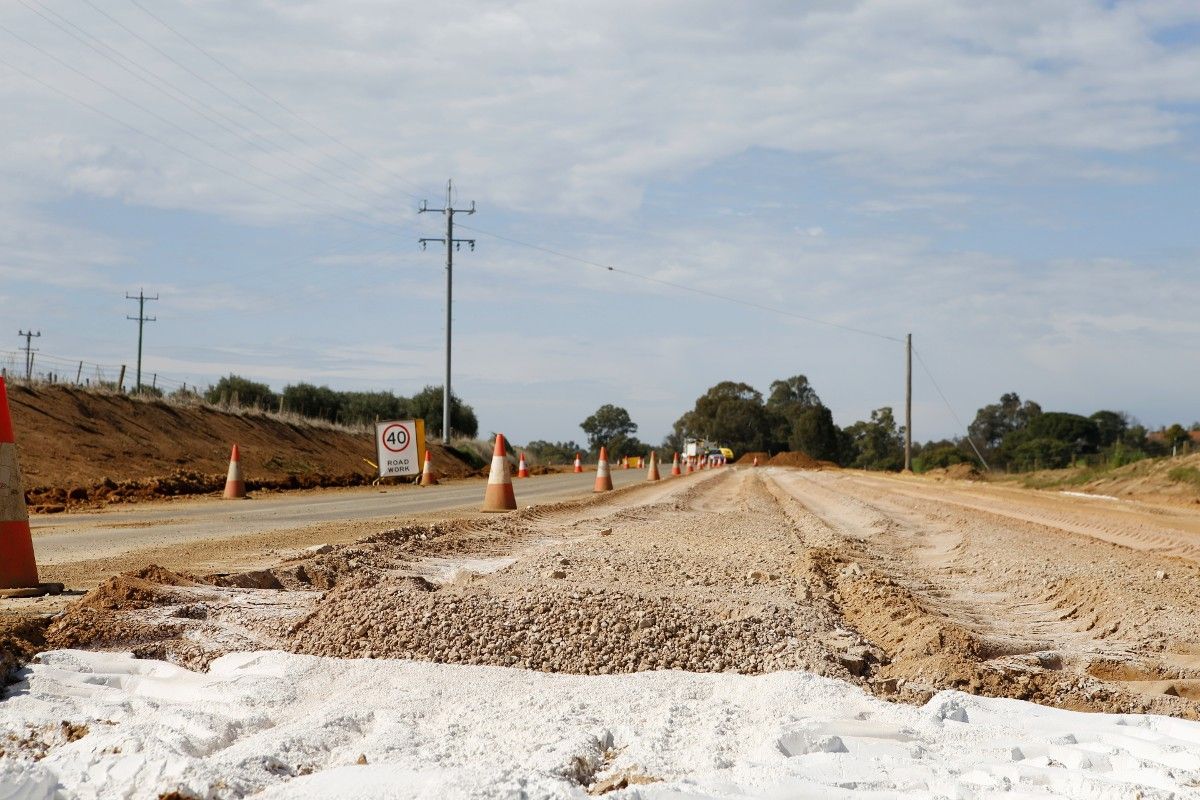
29 350
908 404
141 320
452 244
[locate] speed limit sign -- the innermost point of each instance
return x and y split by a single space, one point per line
400 446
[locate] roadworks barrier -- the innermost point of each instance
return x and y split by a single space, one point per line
499 493
18 567
428 478
235 487
652 472
603 477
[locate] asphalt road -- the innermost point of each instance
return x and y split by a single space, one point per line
62 538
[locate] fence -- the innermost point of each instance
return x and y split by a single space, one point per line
43 368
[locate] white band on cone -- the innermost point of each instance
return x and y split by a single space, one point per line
499 471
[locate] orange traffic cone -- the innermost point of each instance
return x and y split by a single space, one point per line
689 467
652 473
235 487
522 470
675 466
578 463
18 568
756 461
428 478
603 478
499 495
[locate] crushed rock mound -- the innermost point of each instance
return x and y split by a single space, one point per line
748 458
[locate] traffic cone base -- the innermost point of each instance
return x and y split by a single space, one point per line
499 493
603 478
235 487
18 567
428 478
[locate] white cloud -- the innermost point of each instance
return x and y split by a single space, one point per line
566 115
575 108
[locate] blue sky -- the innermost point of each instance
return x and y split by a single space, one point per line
1013 183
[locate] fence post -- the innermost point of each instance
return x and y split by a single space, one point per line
121 380
78 373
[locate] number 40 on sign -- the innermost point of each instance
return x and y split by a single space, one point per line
400 445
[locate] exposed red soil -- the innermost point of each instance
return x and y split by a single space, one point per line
796 458
81 448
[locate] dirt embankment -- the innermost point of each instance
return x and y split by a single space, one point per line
86 448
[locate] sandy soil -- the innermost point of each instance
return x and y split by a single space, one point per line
902 585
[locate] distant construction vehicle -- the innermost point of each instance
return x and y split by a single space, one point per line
702 448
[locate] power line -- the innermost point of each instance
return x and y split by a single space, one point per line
686 288
950 408
158 116
198 101
182 152
283 107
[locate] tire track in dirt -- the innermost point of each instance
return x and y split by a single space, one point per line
998 604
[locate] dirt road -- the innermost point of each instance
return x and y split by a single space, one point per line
902 585
211 535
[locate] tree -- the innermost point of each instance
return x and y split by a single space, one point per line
791 393
245 391
1042 453
544 452
814 432
801 421
366 407
878 443
1080 432
1175 436
427 405
610 426
993 422
732 414
935 455
1111 425
317 402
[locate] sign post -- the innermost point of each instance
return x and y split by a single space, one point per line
400 446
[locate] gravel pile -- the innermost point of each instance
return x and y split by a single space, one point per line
589 631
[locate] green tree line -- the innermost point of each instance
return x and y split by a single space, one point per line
349 408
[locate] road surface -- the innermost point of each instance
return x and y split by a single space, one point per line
122 532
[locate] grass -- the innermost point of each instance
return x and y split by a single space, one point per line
1190 475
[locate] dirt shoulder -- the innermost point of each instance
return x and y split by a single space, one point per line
86 449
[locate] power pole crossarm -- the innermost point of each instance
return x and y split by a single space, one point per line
29 335
451 244
141 319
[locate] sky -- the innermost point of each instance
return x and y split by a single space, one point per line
782 188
